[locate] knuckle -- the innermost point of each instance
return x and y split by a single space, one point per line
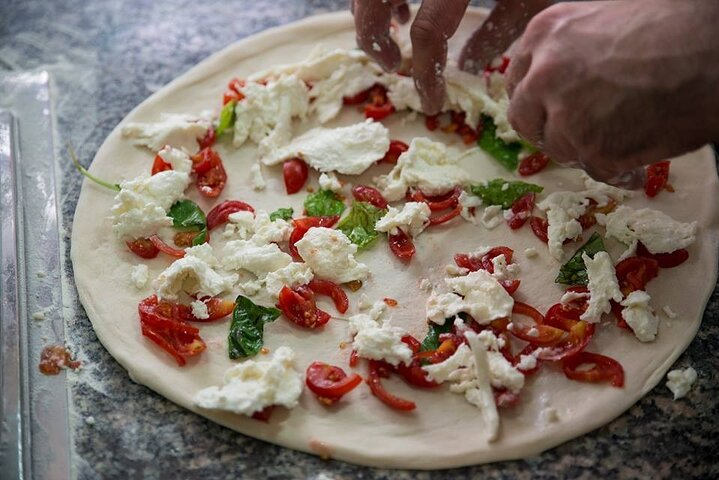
424 32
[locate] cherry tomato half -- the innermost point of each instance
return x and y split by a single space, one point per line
521 210
210 173
634 273
377 371
371 195
178 338
657 178
401 245
298 305
295 172
160 165
539 227
330 383
664 260
605 369
396 148
332 290
533 163
143 247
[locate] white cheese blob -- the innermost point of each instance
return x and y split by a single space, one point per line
657 231
426 165
240 224
259 259
441 306
639 316
484 297
563 209
378 340
504 270
468 202
253 385
141 204
680 381
601 192
329 181
177 158
412 219
270 231
265 114
330 254
199 310
292 275
139 276
177 130
603 286
349 150
531 252
193 274
669 312
492 216
256 179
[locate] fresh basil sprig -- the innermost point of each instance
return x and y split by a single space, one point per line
282 213
246 330
323 203
574 272
495 192
83 170
505 153
227 118
187 216
359 223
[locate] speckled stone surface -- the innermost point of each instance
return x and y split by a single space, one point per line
105 58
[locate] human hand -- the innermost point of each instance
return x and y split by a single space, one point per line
611 86
435 23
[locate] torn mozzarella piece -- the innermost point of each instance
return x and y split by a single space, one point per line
427 166
292 275
270 231
441 306
139 275
176 130
603 286
259 259
329 181
563 209
492 216
531 252
256 178
468 201
194 274
199 310
252 385
330 254
680 381
412 219
177 158
601 192
503 270
639 316
378 340
349 150
669 312
240 224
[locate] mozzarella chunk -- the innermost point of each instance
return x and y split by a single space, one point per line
492 216
253 385
193 275
426 166
639 316
330 254
603 286
378 340
139 275
177 130
259 259
680 381
199 310
412 219
141 204
240 224
329 181
349 150
178 158
531 252
265 114
669 312
657 231
484 297
269 231
563 209
468 201
256 178
292 275
601 192
442 306
503 270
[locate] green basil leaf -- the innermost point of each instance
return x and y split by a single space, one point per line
574 272
431 340
201 238
505 153
323 203
227 118
246 330
359 223
282 213
187 216
494 192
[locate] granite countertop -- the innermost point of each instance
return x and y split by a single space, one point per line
105 58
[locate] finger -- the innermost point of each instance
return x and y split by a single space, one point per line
527 116
558 146
401 12
436 22
372 22
629 179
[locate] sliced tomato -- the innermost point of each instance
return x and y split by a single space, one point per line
377 371
579 333
208 139
431 122
445 217
521 210
415 375
634 273
664 260
657 178
301 225
210 173
220 213
534 163
357 98
234 91
330 383
536 333
617 312
380 106
401 245
295 172
605 369
371 195
332 290
299 306
178 338
439 202
354 358
165 248
160 165
510 286
143 247
264 414
539 227
217 308
396 148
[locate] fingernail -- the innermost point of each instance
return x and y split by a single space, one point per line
631 180
432 95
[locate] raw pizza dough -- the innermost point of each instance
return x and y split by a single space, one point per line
445 430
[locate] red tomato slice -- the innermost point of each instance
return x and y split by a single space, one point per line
542 335
332 290
330 383
295 172
358 98
210 173
605 369
634 273
486 260
219 214
302 225
533 163
208 140
160 165
298 305
617 312
371 195
165 248
510 286
217 308
446 217
539 227
379 107
431 122
657 178
401 245
414 375
354 358
437 203
521 210
664 260
396 148
378 370
178 338
143 247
